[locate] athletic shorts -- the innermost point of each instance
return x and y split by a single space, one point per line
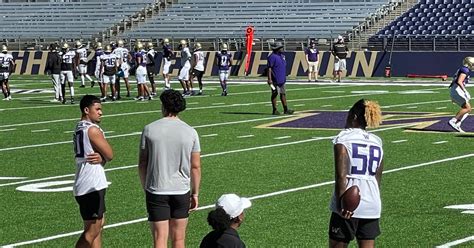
197 73
125 68
280 89
151 70
140 74
458 96
68 76
4 76
108 79
166 66
223 75
344 230
184 72
82 68
165 207
312 66
340 65
92 205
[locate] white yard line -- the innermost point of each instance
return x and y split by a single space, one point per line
412 107
441 107
40 130
209 135
281 192
218 103
6 130
456 242
282 137
440 142
245 136
298 105
399 141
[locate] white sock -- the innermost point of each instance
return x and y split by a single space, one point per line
72 91
167 83
463 118
89 78
82 80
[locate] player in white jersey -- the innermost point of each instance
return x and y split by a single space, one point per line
7 65
141 73
109 67
81 62
151 66
92 151
124 57
183 76
358 161
67 67
198 67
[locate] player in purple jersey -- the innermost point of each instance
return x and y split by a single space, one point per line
141 60
224 63
312 60
459 93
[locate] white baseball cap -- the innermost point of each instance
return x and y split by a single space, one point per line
233 205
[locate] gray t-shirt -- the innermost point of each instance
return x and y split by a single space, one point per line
169 142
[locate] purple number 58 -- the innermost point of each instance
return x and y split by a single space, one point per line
369 162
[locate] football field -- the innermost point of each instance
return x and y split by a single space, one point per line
283 163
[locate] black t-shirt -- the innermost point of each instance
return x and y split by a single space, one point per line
340 50
226 239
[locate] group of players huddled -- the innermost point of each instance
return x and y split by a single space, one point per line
115 62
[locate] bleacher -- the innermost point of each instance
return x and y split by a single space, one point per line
60 20
444 24
271 19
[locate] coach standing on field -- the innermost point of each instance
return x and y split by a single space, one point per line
277 77
170 171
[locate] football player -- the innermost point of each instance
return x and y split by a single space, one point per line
108 67
358 161
185 67
141 59
151 67
7 65
224 63
339 51
81 62
312 61
198 67
124 55
67 67
167 56
459 93
98 73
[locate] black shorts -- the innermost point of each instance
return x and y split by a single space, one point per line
197 73
344 230
92 205
165 207
151 70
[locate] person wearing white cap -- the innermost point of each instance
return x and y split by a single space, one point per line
225 220
339 51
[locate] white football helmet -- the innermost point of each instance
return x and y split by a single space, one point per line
108 48
468 62
139 46
166 41
183 42
98 45
224 47
65 46
197 46
120 43
149 45
78 44
4 48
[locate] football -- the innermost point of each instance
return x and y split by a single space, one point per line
351 198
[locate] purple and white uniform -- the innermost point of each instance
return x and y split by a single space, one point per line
167 55
223 61
458 95
141 70
98 53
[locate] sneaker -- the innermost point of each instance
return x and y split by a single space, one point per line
72 100
63 101
224 93
455 126
153 93
6 99
193 93
199 93
275 112
114 98
103 99
92 84
150 98
82 86
289 112
141 99
339 80
316 80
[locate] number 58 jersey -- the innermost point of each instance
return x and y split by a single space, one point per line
89 177
365 154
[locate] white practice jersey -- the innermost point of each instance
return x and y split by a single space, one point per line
89 177
151 53
199 60
82 54
185 56
365 155
5 62
122 54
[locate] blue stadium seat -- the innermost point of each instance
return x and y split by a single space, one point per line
418 23
406 19
457 14
430 14
409 24
442 19
439 14
424 19
430 28
444 10
467 14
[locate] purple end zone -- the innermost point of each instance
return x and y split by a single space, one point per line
337 120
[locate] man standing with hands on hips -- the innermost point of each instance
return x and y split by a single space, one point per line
277 77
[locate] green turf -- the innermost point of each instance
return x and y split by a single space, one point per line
413 200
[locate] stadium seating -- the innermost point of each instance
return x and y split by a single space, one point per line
443 19
271 19
58 20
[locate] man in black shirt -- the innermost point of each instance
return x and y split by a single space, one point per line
53 68
225 220
339 51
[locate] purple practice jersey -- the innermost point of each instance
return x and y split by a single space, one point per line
464 70
277 62
167 52
141 54
223 60
98 53
312 54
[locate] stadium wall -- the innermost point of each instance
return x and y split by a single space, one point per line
359 64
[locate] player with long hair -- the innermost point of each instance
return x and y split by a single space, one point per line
358 161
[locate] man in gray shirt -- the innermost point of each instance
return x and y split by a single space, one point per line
170 171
